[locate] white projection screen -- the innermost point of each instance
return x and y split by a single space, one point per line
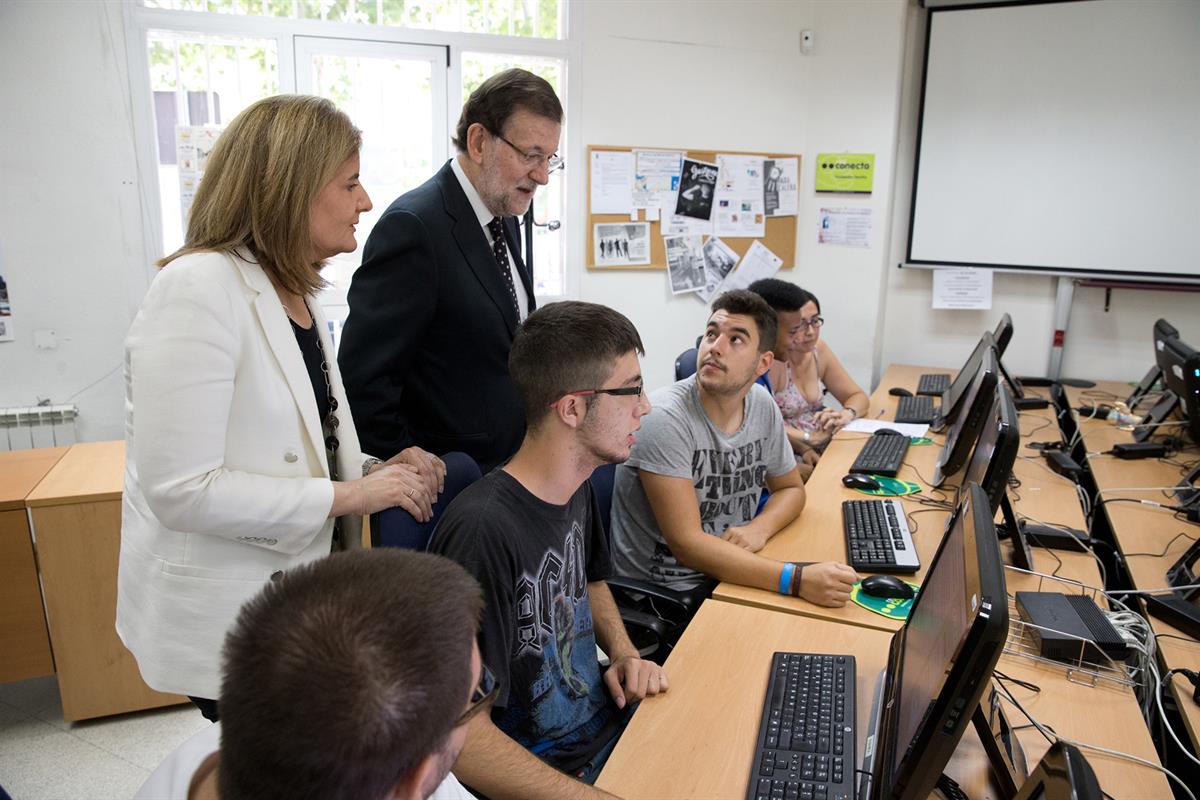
1061 137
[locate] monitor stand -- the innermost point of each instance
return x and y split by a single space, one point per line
1043 536
1159 412
1005 755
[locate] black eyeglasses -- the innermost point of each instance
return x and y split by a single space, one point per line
553 162
814 323
482 696
620 391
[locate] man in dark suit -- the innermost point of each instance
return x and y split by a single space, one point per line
442 287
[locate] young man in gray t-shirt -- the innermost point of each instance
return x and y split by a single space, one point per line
684 502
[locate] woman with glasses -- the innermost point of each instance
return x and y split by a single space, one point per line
805 370
242 458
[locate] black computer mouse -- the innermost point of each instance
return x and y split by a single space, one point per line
896 391
888 432
856 481
887 586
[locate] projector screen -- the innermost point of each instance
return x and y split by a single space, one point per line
1063 138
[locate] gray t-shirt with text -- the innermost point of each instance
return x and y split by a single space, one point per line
728 471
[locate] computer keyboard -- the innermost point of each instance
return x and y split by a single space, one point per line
916 409
883 454
806 740
933 383
877 536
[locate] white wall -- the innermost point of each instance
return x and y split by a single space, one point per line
69 210
730 75
666 73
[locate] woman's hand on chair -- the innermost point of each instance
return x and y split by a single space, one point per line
431 468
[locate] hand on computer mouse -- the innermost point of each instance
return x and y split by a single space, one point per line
827 583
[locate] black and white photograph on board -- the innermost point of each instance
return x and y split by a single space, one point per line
697 184
719 260
685 263
621 244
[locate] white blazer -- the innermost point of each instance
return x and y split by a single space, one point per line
226 481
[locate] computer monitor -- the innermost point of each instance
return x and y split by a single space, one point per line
942 660
995 451
1180 365
978 401
1062 774
1002 334
953 397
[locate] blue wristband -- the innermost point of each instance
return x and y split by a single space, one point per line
785 578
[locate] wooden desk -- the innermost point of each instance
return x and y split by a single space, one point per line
697 740
817 534
1141 532
24 643
76 514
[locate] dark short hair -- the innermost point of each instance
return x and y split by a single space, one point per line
742 301
564 347
343 674
784 296
501 96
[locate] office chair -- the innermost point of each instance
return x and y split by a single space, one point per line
685 365
654 615
395 527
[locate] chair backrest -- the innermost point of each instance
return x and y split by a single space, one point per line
395 527
602 486
685 365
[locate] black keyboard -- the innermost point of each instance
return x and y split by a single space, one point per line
934 384
806 739
877 536
883 454
916 409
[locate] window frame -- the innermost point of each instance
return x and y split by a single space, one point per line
139 20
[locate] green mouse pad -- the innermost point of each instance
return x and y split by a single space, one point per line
919 441
891 487
889 607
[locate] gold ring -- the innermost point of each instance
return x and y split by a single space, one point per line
410 493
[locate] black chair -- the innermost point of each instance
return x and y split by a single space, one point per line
685 365
654 616
395 527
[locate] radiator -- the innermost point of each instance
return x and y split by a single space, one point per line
37 426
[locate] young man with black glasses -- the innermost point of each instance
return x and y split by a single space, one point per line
530 533
355 676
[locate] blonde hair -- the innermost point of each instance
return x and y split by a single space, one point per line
262 177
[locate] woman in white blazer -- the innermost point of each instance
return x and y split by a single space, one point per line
242 459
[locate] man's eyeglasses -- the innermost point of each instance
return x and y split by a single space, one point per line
815 323
553 162
482 696
620 391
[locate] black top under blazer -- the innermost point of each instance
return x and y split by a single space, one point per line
424 352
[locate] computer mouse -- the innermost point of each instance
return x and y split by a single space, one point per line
887 586
856 481
896 391
888 432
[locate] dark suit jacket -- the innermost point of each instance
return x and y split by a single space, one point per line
424 353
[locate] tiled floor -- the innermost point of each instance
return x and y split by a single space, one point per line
44 758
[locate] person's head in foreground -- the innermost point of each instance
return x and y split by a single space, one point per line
351 677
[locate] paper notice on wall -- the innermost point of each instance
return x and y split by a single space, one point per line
719 261
847 227
738 207
781 181
759 262
963 288
6 318
655 172
621 244
685 263
611 181
673 224
193 143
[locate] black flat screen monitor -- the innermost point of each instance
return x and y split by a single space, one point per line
941 661
953 397
978 401
995 452
1180 365
1062 774
1002 334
